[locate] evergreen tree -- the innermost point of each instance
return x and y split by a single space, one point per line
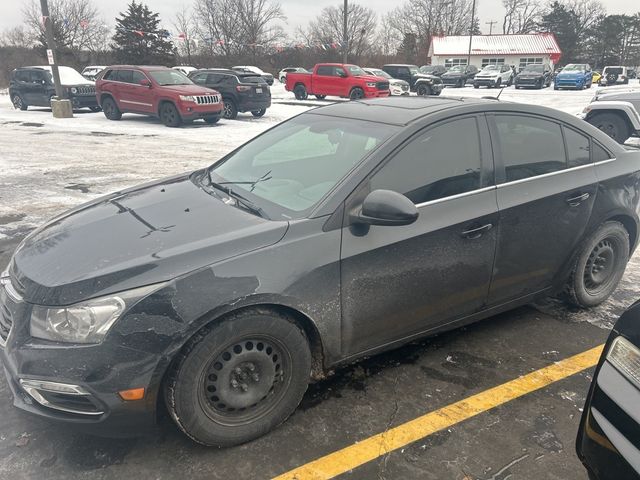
139 39
564 24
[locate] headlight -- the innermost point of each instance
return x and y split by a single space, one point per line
74 90
84 322
625 356
371 84
187 98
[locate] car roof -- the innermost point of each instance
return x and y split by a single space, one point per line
400 65
142 67
404 110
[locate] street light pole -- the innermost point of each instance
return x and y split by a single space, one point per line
51 53
345 34
473 16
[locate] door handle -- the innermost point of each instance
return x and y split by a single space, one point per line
575 201
477 232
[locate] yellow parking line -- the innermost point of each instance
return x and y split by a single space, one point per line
348 458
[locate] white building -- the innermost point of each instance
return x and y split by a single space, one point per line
518 50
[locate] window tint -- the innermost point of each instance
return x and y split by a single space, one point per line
23 76
443 161
137 77
529 146
125 76
600 153
109 75
326 71
577 148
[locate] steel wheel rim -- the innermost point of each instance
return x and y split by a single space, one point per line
227 110
245 380
356 95
108 109
600 267
168 114
17 102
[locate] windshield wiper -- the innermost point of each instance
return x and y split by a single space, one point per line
240 200
253 184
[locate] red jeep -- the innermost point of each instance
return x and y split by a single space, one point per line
336 79
156 91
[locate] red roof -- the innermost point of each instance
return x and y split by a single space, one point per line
529 44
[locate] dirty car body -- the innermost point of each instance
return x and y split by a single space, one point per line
173 257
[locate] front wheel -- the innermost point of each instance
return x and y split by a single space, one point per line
423 90
170 116
599 266
110 109
356 94
238 379
230 111
259 113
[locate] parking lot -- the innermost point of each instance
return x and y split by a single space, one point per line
49 165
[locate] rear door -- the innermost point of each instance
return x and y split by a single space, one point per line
38 92
322 81
546 192
400 281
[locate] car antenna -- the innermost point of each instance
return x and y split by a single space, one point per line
497 97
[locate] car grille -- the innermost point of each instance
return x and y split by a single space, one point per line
9 301
382 85
86 90
528 81
207 99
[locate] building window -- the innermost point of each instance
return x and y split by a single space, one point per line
492 61
530 61
452 62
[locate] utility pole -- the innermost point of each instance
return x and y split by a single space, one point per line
491 24
345 34
473 16
51 52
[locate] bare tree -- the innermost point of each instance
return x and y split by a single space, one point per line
15 37
521 16
588 13
361 28
77 24
185 24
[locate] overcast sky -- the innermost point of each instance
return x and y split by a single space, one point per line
298 12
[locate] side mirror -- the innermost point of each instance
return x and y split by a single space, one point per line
145 83
385 207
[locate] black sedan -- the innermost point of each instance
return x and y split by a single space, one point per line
345 231
609 437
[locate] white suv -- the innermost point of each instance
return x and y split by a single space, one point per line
614 76
494 76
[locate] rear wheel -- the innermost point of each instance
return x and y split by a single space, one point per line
259 113
300 91
356 94
611 124
169 115
110 109
238 379
230 111
423 90
599 265
18 102
211 120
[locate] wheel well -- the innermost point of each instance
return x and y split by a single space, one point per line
630 226
162 102
623 116
104 96
300 84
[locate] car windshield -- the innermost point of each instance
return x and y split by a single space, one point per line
574 68
288 170
68 76
414 69
491 68
379 73
456 69
534 68
429 68
170 77
355 70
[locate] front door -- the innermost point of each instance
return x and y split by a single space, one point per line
399 281
37 92
545 198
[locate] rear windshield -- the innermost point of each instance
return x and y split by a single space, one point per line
615 70
170 77
252 80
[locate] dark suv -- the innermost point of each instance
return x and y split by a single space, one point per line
241 92
156 91
33 86
536 76
459 75
419 82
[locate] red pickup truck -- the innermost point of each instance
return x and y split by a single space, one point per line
338 80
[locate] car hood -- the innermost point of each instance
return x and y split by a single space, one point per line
372 78
453 74
186 89
137 237
426 76
395 81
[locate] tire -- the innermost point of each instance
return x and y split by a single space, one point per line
555 87
599 266
18 102
460 83
517 87
283 79
229 109
110 109
540 84
356 94
321 97
211 120
423 90
169 115
475 85
611 124
95 109
589 84
253 356
259 113
498 83
300 91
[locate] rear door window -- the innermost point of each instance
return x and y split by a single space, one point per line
529 146
137 77
578 153
325 71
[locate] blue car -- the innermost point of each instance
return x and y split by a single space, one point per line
574 75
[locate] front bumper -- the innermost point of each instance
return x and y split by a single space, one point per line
84 101
608 442
485 82
451 81
192 111
375 93
568 83
398 90
528 82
